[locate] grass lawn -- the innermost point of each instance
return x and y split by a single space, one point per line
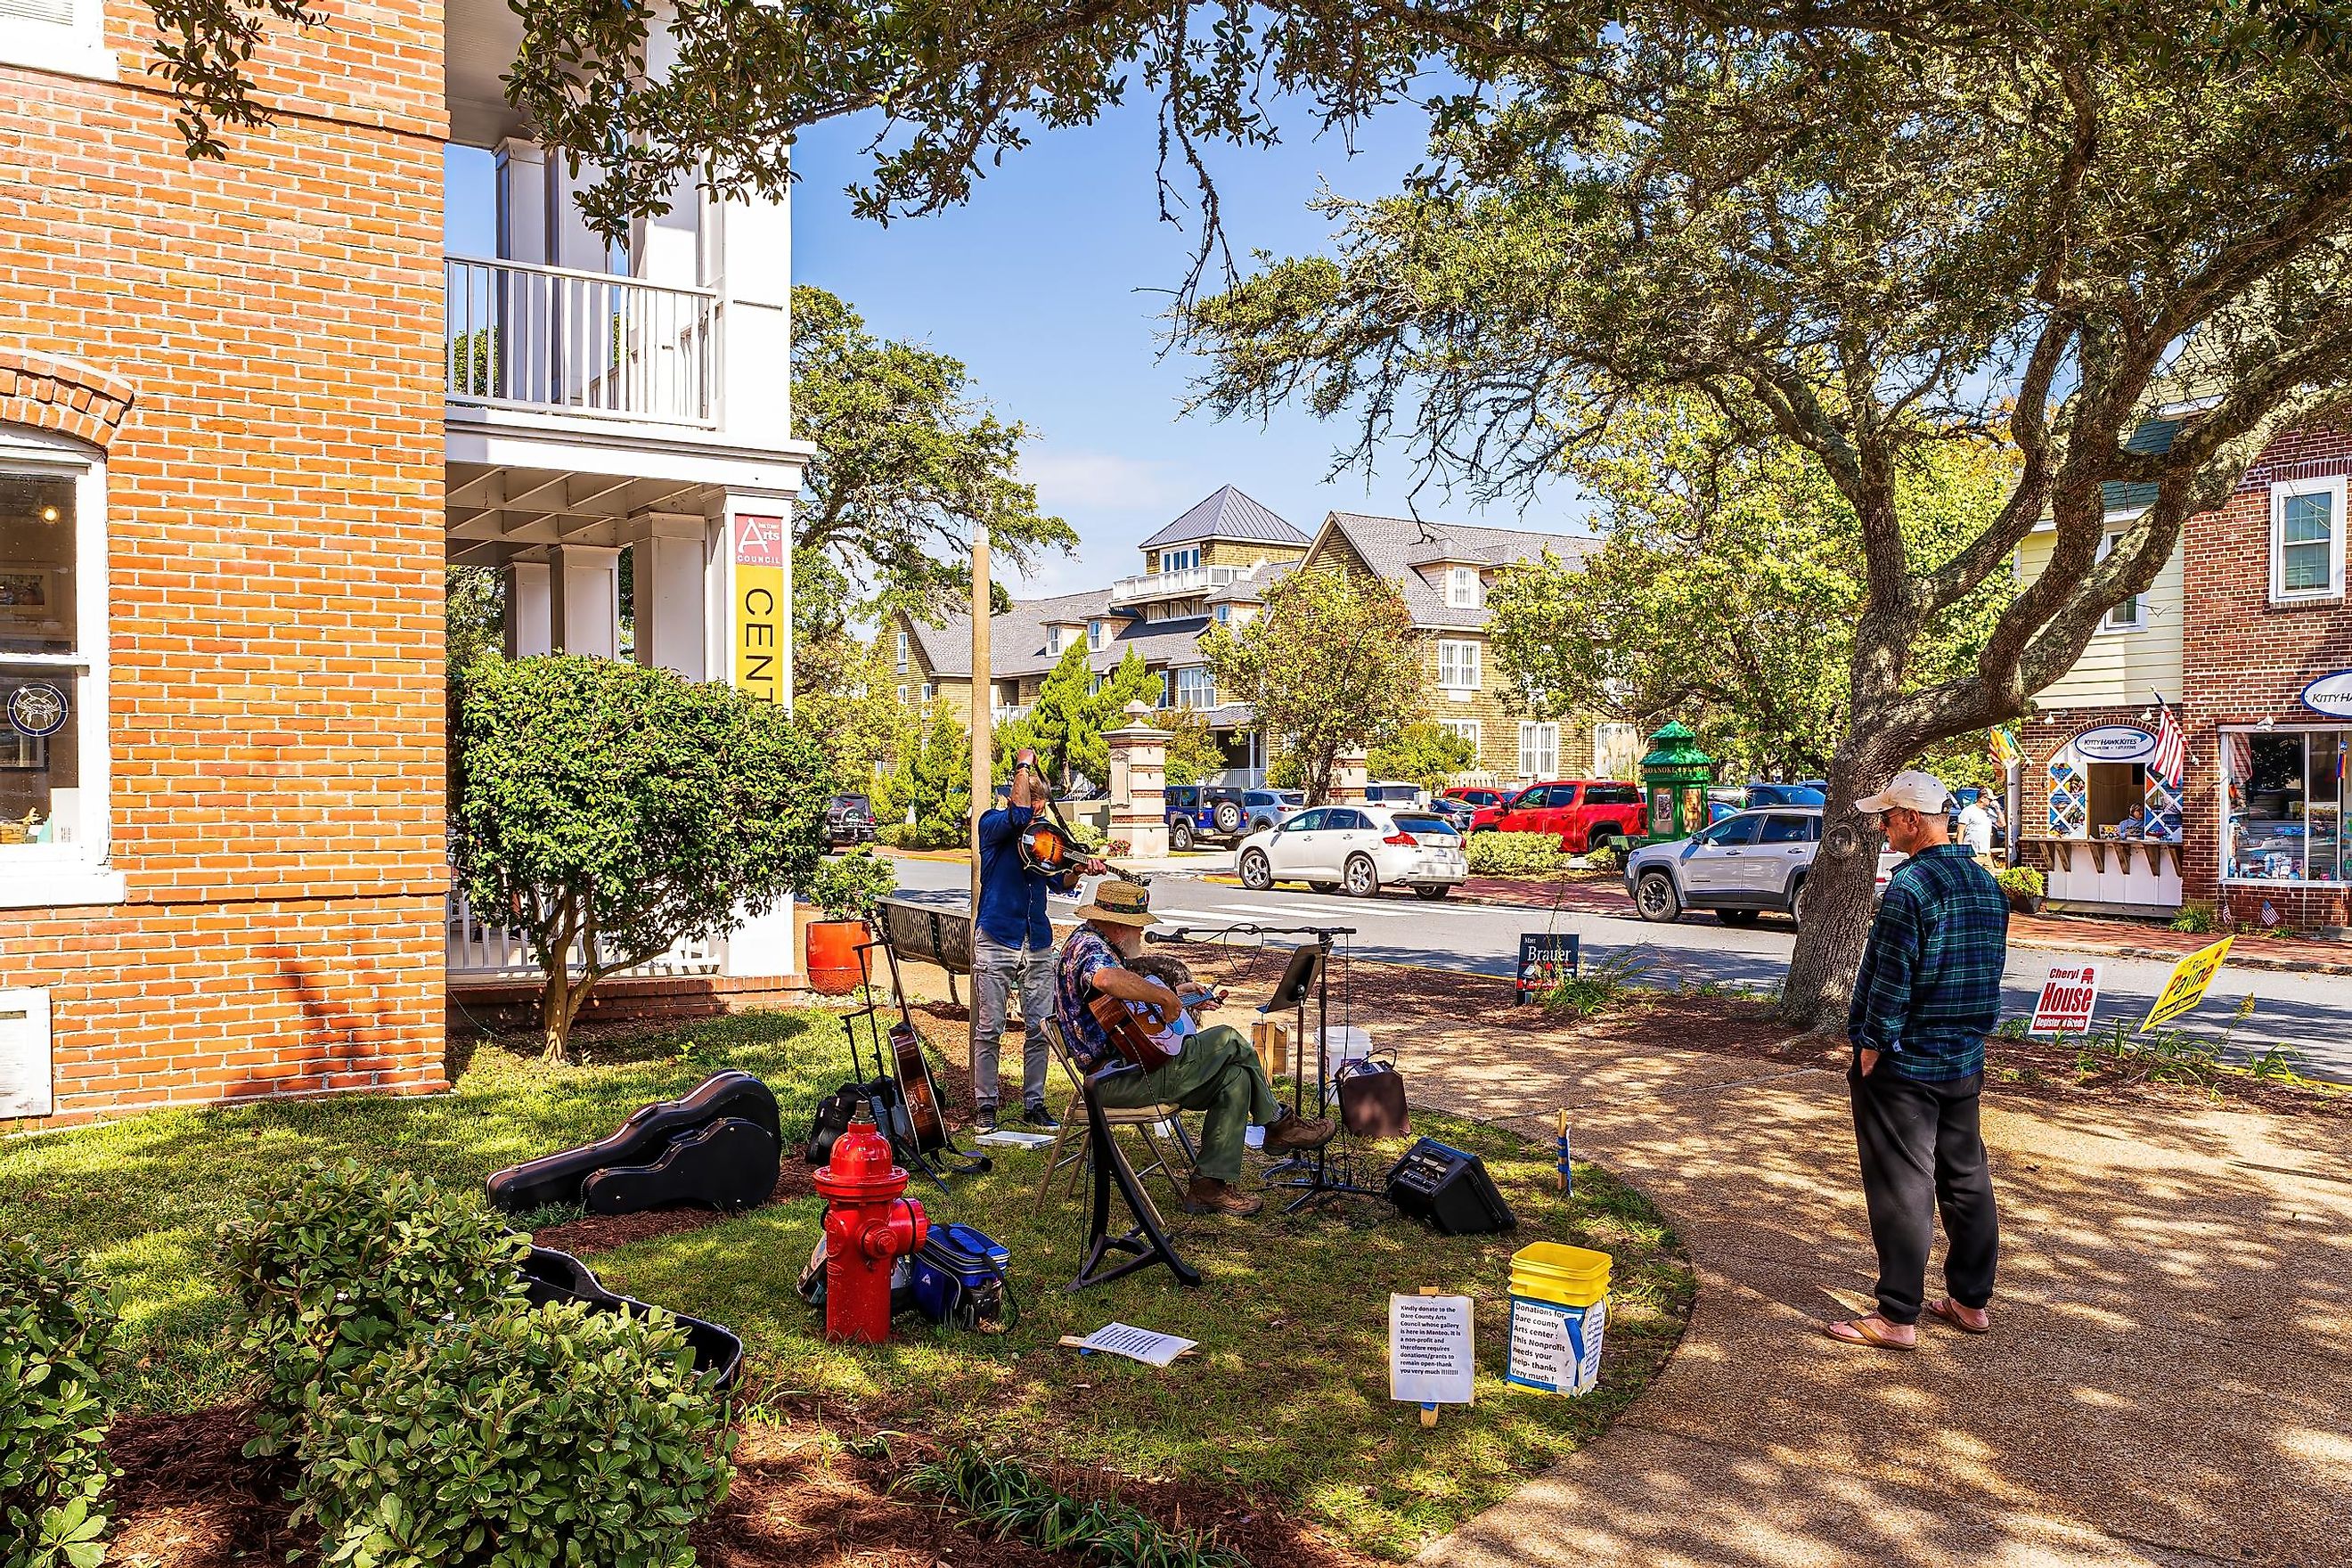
1287 1402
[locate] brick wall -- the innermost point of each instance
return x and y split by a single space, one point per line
2246 659
255 345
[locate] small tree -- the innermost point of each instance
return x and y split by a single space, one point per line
1071 712
606 810
1194 752
925 800
1429 754
1329 664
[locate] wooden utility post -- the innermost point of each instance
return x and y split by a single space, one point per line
983 706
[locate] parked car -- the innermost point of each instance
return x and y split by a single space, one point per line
1749 863
1361 848
849 820
1397 792
1585 813
1807 794
1214 811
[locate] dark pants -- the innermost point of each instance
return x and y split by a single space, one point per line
1921 1152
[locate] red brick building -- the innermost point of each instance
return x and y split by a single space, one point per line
248 410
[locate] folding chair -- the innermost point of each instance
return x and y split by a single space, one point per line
1071 1143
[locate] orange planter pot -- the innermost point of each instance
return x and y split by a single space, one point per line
832 954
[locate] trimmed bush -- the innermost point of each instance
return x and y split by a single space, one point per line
347 1262
523 1438
58 1332
1516 855
2020 882
851 887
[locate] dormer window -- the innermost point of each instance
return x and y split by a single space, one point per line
1180 559
1462 587
1055 640
1094 636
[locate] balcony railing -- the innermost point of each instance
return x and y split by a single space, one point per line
478 949
524 336
1173 584
1013 714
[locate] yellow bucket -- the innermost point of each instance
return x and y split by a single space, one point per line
1551 1271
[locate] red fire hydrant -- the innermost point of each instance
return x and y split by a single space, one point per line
867 1227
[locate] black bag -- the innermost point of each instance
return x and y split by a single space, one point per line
834 1112
1371 1100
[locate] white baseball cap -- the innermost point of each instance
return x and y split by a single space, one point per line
1911 790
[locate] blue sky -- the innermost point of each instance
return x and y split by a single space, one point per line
1049 286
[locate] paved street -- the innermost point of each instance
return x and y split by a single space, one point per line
2310 1013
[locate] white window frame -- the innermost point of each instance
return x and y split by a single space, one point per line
1054 643
1203 693
2137 604
2221 797
1462 587
931 689
1546 750
2283 492
76 47
1464 673
1180 559
1469 730
1094 637
42 875
902 653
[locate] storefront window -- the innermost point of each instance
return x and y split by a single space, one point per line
2285 805
41 667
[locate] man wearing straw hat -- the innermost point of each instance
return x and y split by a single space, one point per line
1215 1070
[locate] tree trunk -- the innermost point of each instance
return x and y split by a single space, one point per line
556 1008
1838 896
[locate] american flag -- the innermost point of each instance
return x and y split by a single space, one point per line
2172 758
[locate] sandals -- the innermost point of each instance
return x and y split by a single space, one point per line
1948 1311
1868 1332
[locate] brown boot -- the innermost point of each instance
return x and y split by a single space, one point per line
1206 1195
1294 1131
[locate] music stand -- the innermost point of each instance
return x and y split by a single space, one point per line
1325 1175
1145 1238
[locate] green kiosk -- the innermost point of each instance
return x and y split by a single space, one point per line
1674 777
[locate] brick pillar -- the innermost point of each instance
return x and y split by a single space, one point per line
1349 774
1139 777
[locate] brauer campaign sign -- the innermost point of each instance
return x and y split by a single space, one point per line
2068 998
758 642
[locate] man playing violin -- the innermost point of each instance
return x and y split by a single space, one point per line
1012 944
1215 1069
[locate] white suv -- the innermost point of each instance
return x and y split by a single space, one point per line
1741 867
1359 847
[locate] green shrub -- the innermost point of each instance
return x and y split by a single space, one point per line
2197 917
1516 855
850 887
2021 881
58 1334
346 1262
521 1439
1011 1502
1600 985
1608 854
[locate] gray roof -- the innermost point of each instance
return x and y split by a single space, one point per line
1396 547
1017 639
1227 514
2154 437
1250 586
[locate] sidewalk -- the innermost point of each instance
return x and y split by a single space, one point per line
2170 1381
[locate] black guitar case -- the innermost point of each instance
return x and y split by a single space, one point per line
551 1276
724 1172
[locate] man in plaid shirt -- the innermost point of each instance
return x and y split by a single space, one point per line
1927 994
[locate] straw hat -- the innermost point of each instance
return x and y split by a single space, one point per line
1120 903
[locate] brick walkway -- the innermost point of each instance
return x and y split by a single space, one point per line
2170 1381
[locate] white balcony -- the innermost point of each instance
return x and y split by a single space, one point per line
1012 715
1189 583
478 951
553 338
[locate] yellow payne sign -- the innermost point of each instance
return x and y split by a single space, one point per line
2187 986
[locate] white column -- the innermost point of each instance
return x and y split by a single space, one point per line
672 607
587 584
530 609
521 168
755 248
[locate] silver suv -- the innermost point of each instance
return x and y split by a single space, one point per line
1739 868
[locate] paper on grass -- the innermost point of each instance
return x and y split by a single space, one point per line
1150 1348
1008 1138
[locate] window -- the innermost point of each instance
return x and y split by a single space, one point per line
1616 750
1180 559
54 812
1612 794
1196 687
1539 749
1731 833
1339 819
1468 728
930 690
2284 794
1305 822
1457 665
1057 638
902 637
1094 636
1779 829
57 35
2127 615
2306 539
1462 587
1225 613
902 694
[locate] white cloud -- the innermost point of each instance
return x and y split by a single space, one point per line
1103 481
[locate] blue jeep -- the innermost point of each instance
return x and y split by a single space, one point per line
1219 811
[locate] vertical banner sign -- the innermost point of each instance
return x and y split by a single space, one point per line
2068 998
2185 988
757 664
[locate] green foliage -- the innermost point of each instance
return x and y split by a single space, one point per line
1067 723
2198 917
523 1437
1010 1501
1330 664
343 1261
1424 752
1607 853
932 778
2021 881
845 693
851 887
1601 984
1194 750
1516 855
605 810
473 609
60 1335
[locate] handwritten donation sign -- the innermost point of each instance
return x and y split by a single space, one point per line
2185 988
2068 998
757 640
1430 1358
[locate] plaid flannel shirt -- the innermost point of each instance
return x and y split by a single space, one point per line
1929 989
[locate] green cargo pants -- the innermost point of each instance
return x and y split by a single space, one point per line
1218 1072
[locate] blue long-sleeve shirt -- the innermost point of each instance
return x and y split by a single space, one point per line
1012 897
1929 989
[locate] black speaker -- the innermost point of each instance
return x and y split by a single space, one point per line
1448 1189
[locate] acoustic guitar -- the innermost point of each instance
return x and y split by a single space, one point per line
1130 1035
922 1101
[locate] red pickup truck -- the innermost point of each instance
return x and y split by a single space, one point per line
1585 813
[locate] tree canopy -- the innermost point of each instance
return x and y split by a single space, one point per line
1425 752
1066 722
